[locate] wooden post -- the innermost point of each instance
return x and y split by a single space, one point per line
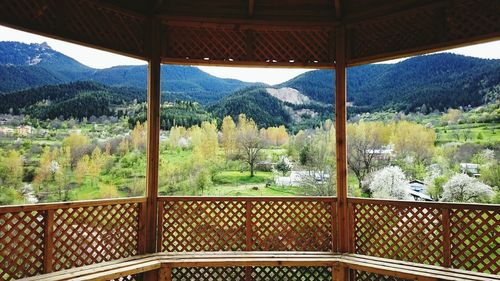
340 131
248 235
153 136
165 274
159 235
142 228
446 237
339 273
341 145
352 236
48 249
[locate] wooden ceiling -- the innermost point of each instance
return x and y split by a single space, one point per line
291 33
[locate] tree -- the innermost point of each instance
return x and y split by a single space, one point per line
97 161
228 136
363 141
139 136
462 188
123 147
13 170
108 191
82 169
390 183
283 165
204 141
319 159
414 141
490 174
203 180
249 142
78 146
451 117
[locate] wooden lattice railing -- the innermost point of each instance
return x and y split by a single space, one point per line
246 224
462 236
36 239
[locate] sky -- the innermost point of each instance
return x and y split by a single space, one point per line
101 59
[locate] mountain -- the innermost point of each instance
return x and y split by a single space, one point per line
30 65
439 81
256 103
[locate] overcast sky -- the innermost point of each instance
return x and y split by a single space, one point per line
100 59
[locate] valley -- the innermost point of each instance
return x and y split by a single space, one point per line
70 132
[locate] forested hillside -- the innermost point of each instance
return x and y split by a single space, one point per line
256 103
24 66
439 81
78 100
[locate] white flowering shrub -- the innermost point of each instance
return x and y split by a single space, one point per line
462 188
390 183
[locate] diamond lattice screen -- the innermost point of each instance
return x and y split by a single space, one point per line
88 235
255 273
21 244
237 225
409 233
415 232
475 240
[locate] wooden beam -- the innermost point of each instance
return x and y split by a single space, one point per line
338 9
340 131
251 7
48 244
153 136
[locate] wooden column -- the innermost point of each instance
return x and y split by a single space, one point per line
341 145
48 245
153 136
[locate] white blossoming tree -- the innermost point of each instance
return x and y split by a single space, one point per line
390 183
462 188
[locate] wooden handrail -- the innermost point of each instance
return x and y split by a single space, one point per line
67 205
474 206
248 198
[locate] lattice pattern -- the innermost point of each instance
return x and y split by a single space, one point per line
207 225
208 273
83 20
395 33
292 226
255 273
471 17
292 273
41 13
232 44
306 46
201 43
410 233
475 240
203 226
21 244
428 26
88 235
106 26
368 276
135 277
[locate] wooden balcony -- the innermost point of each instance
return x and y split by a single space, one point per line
334 35
37 239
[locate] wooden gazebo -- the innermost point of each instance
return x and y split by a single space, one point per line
330 34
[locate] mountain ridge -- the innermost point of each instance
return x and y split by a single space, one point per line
433 82
52 67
